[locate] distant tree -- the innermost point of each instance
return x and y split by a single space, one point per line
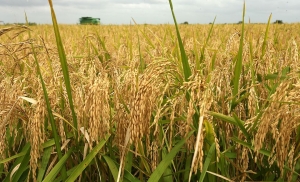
29 23
186 23
240 22
278 22
32 23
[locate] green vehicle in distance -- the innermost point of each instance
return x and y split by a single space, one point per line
89 21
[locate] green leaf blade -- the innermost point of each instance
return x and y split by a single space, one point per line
80 168
163 165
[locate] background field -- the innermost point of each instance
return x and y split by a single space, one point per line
138 107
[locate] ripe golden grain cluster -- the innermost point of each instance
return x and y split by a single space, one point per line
130 79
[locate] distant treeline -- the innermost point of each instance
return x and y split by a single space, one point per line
276 22
30 24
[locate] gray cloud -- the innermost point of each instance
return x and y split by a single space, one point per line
23 3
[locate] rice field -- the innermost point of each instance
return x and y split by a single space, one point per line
150 102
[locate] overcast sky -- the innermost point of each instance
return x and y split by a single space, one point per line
150 11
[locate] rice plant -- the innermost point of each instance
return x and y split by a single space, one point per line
150 102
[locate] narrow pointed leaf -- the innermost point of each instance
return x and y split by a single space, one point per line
163 165
64 65
112 166
238 62
184 59
209 156
264 46
45 161
56 169
80 168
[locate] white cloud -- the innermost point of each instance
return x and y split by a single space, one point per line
150 11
